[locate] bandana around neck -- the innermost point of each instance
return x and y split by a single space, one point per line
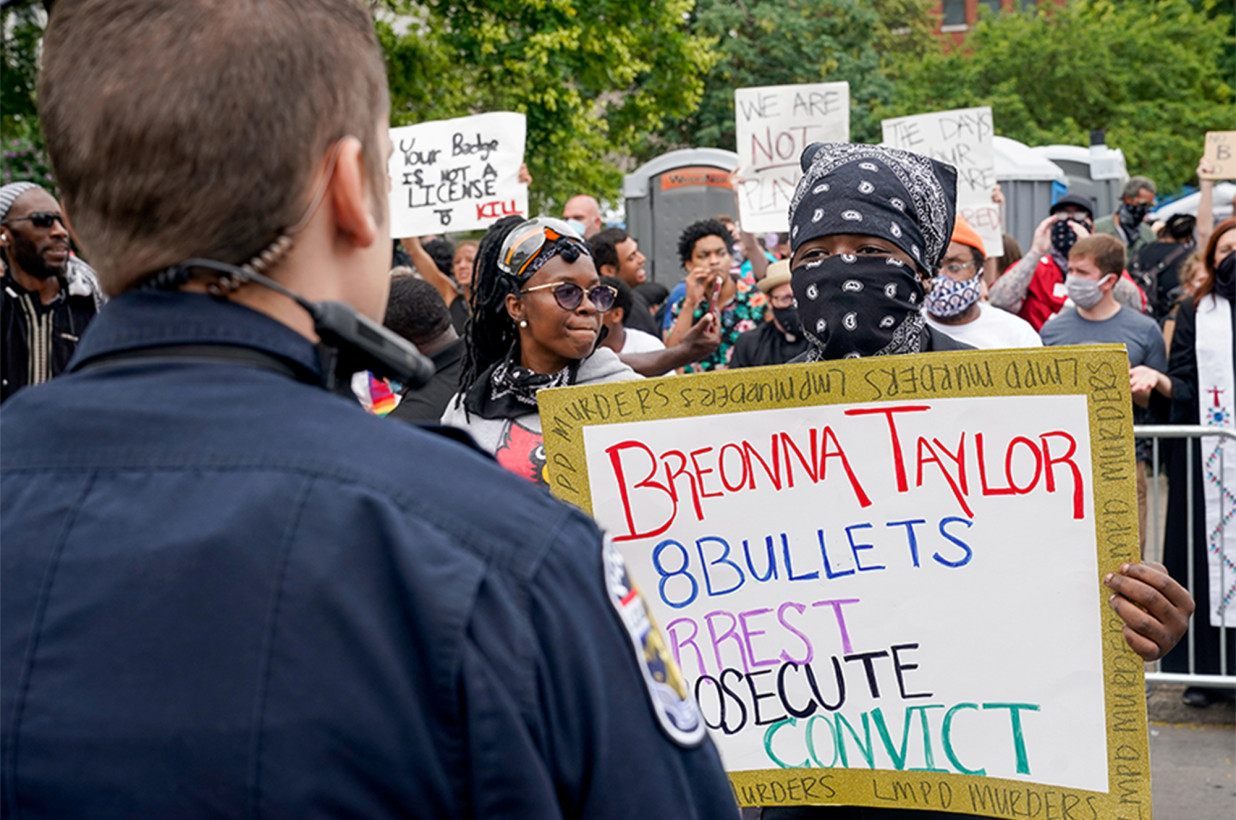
852 306
508 389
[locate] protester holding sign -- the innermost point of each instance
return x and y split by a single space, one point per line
867 224
850 285
1201 381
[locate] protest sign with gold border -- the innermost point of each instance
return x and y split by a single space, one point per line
882 578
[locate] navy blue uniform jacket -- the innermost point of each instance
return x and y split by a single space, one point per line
227 593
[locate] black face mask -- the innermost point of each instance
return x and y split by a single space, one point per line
853 306
1062 237
1225 277
787 317
1136 213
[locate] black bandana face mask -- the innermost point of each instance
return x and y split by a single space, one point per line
1225 277
788 319
1063 237
852 306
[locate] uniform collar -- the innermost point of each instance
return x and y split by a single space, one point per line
147 319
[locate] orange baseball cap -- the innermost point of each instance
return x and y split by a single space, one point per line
963 233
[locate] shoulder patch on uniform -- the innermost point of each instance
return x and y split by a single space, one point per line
672 703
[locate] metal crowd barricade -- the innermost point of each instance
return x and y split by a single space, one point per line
1155 539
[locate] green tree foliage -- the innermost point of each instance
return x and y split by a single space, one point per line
781 42
23 157
591 77
1150 72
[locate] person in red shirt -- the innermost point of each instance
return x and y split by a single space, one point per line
1034 287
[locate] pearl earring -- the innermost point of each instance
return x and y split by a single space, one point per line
523 322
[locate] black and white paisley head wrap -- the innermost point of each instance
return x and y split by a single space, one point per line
906 198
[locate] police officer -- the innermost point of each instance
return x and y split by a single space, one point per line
229 591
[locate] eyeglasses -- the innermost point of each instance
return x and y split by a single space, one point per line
522 245
41 219
956 267
569 295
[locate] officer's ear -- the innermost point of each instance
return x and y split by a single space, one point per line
348 197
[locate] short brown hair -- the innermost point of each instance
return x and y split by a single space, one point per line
182 128
1106 250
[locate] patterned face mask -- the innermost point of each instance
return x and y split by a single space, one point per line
948 297
852 306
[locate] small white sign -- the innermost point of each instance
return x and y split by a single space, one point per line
773 126
457 175
963 139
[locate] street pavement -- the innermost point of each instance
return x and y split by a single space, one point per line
1192 758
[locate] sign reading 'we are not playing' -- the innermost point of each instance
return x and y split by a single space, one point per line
773 126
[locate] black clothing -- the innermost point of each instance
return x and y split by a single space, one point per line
933 340
1159 275
1182 368
766 345
229 593
427 403
460 312
38 340
640 316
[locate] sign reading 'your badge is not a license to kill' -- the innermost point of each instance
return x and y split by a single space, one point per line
457 175
882 578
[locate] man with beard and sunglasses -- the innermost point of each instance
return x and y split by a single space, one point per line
867 226
48 296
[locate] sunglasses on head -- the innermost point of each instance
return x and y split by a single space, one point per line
41 219
522 245
569 295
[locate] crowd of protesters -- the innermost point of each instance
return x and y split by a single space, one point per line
228 590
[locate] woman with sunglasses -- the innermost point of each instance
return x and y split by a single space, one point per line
536 321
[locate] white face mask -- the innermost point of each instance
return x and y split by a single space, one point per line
1085 293
578 225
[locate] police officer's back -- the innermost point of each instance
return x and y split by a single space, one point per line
228 591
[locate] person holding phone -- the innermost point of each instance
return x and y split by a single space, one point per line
704 248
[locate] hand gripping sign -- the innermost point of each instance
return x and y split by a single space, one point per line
881 578
456 175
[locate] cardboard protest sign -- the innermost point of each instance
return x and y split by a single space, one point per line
882 578
963 139
1221 151
773 125
456 175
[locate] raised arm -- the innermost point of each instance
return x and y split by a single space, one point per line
428 269
700 341
1009 291
1205 202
